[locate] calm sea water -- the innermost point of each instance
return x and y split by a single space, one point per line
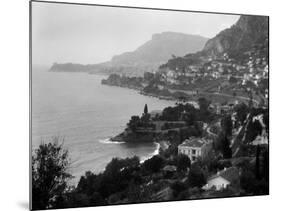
76 107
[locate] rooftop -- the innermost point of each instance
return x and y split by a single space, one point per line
230 174
170 168
194 142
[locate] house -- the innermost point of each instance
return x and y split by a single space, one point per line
222 109
222 179
195 147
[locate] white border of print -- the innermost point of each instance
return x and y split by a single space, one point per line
14 117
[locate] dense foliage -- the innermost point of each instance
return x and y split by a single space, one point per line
49 174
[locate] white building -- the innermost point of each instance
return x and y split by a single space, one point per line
195 147
224 178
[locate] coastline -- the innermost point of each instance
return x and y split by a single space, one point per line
160 97
156 152
160 145
94 121
141 92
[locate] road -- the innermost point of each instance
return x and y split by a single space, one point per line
213 93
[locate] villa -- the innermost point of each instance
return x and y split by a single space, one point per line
195 147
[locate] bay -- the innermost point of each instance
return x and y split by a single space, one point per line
84 113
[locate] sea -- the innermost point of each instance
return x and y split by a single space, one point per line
85 114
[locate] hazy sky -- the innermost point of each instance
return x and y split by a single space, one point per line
93 34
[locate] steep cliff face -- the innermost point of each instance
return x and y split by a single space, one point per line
248 31
160 48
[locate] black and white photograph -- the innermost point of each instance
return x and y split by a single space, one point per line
136 105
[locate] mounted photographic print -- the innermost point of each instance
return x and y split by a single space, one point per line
137 105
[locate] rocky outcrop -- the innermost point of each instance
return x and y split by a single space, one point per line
242 36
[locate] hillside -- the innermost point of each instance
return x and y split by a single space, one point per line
242 36
232 65
249 35
160 48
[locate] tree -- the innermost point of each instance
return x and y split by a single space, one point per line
88 183
258 162
116 165
266 120
153 164
171 151
203 104
178 187
265 159
49 174
241 111
145 111
226 150
250 103
145 116
254 129
148 76
134 122
117 176
203 114
251 185
223 145
226 124
232 80
189 114
183 162
196 176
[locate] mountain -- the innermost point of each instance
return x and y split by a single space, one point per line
160 48
147 57
242 36
248 35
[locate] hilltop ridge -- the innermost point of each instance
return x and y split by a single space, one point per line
146 57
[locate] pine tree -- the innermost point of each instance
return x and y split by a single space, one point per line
258 162
226 123
250 104
226 150
265 159
145 109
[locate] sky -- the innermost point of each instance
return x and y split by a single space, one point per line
93 34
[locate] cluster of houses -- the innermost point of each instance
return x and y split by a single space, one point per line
201 147
252 70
